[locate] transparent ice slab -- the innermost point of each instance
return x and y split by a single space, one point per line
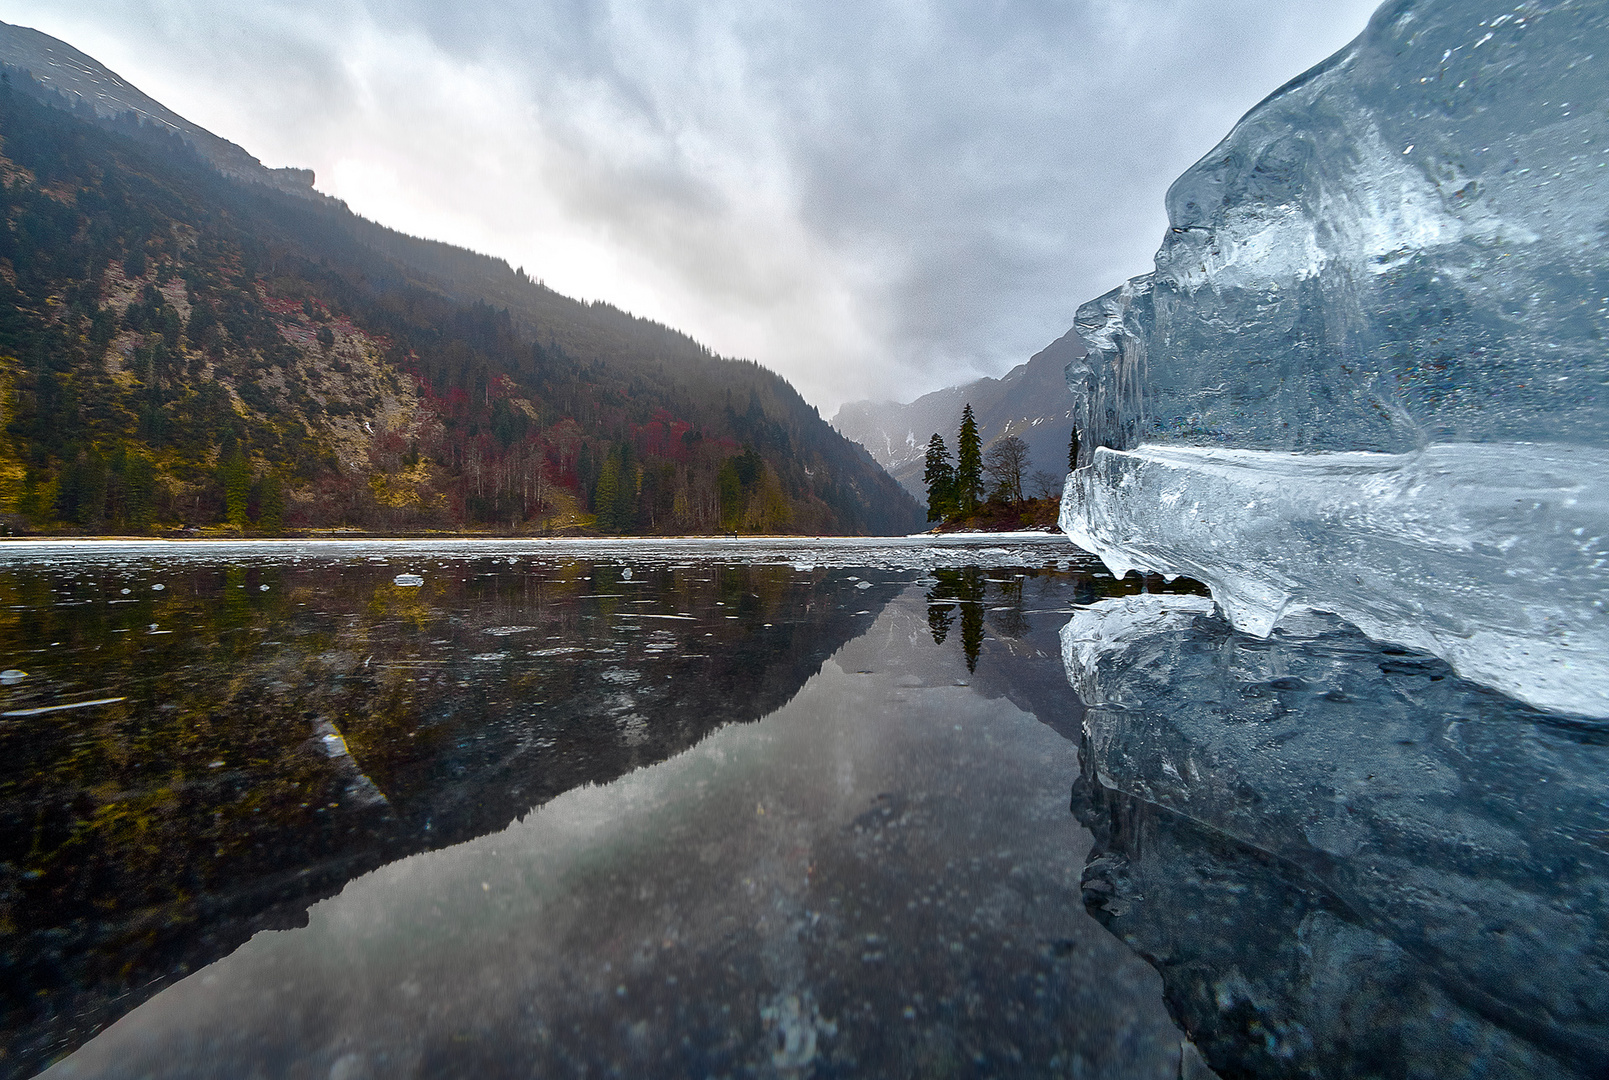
1400 252
1403 245
1491 556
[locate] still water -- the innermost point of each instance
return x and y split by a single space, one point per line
965 807
703 808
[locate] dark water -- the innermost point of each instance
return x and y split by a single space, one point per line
855 837
762 808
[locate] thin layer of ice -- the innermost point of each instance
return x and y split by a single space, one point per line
1490 556
900 553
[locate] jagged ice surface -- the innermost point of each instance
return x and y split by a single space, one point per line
1400 252
1490 556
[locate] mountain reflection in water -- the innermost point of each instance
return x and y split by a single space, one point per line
290 717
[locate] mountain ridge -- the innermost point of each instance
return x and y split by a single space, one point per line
89 85
247 352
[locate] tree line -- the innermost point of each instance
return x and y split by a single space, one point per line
956 489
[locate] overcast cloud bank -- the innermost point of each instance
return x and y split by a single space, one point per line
874 200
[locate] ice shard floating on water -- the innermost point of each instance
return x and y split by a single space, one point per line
1368 375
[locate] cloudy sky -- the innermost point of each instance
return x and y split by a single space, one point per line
875 199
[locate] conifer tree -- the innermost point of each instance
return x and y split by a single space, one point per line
139 481
968 464
271 519
236 487
939 476
606 498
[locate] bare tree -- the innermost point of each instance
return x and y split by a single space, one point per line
1047 485
1006 461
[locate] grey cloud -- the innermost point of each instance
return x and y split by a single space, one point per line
874 199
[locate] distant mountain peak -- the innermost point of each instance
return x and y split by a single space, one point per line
1030 401
90 85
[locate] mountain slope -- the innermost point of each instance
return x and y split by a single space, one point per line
178 347
1029 401
92 89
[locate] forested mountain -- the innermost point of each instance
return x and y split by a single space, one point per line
180 347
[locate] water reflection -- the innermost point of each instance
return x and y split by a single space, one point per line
288 719
279 730
1343 859
1004 599
879 878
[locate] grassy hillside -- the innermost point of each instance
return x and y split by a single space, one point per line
180 349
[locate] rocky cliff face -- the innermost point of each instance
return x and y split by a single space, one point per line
178 347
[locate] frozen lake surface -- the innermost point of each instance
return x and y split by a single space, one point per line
558 808
957 807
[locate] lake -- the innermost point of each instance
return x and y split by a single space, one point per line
682 808
954 807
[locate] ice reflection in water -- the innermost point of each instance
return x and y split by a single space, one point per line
1344 859
880 876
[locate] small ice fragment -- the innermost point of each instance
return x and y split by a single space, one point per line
864 585
625 575
11 677
262 588
408 581
158 587
125 592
